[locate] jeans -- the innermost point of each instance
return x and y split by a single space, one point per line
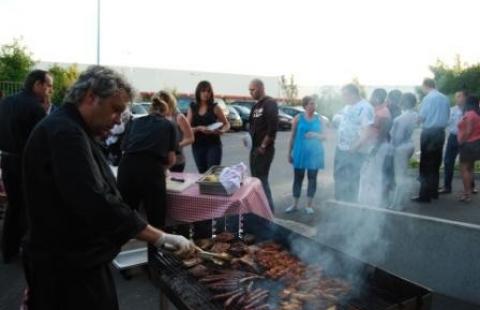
451 152
260 168
346 174
298 180
207 156
431 147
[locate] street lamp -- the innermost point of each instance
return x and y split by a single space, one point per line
98 32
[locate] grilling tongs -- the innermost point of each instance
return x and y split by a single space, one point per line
225 257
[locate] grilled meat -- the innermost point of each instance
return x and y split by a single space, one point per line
220 247
199 271
224 237
204 244
190 262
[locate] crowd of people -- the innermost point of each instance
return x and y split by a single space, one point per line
375 145
70 215
67 213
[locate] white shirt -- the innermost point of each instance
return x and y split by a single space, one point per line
456 115
352 120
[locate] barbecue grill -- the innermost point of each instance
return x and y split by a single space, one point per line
371 288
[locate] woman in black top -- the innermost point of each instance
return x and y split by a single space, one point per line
207 148
149 149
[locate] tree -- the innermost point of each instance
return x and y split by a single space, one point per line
329 101
63 78
15 62
289 89
460 75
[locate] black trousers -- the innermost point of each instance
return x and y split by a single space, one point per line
15 223
206 156
431 147
298 175
54 288
141 180
260 168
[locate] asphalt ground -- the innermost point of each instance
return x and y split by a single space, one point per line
139 293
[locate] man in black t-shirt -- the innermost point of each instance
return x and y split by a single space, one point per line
263 129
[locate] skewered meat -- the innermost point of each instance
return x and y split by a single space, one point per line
199 271
256 299
250 278
220 247
226 295
230 300
224 237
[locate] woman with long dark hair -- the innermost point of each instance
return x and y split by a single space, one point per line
207 148
469 141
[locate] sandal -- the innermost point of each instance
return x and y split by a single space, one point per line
465 198
309 210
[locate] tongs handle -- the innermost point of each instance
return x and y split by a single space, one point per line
209 255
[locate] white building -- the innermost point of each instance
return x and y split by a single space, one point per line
152 80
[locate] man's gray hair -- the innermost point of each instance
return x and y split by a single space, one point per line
102 81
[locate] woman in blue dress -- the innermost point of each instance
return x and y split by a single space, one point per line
306 152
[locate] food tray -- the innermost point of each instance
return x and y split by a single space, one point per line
213 188
131 258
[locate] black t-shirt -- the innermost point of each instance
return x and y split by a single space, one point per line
264 120
76 214
152 134
204 120
18 116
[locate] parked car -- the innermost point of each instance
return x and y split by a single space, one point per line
284 121
183 103
146 105
294 110
234 119
244 113
244 103
138 110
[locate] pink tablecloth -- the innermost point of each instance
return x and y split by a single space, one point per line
191 206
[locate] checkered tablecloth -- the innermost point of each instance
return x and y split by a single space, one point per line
191 206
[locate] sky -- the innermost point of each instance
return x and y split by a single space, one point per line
322 42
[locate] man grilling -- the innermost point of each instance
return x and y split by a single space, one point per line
78 220
19 113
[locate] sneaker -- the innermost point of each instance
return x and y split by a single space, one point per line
291 209
445 191
474 191
309 210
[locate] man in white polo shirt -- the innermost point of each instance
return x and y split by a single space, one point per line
353 123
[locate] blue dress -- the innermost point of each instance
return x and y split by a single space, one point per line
308 152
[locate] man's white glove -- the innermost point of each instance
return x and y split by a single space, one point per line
182 245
